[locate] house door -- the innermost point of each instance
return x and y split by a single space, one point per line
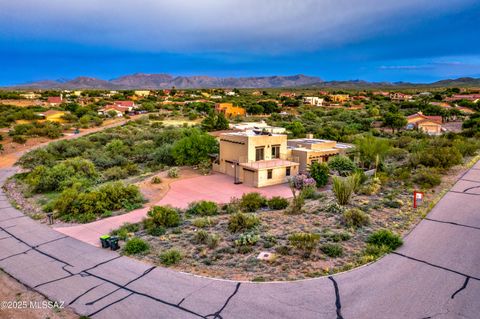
248 178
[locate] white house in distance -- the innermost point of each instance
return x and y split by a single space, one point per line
257 126
313 100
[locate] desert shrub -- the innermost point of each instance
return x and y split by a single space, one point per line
156 180
203 208
74 204
164 216
123 231
194 147
332 250
310 192
115 173
336 237
306 242
20 139
438 157
372 150
385 237
427 177
355 218
173 172
277 203
212 241
371 187
62 175
200 237
319 172
205 167
466 147
342 165
232 207
269 241
136 246
242 221
252 202
393 203
170 257
343 189
372 252
203 222
248 239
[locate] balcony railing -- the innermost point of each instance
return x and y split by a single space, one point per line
281 160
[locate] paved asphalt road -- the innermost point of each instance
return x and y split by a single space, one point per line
435 274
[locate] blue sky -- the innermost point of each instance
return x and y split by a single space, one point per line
375 40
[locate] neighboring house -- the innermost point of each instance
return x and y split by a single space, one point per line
141 93
257 126
469 97
54 100
120 110
382 93
465 110
313 100
290 95
339 98
30 95
431 125
230 110
77 93
53 116
255 158
256 93
216 97
441 104
130 104
400 97
308 150
230 93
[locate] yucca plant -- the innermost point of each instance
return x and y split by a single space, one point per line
343 188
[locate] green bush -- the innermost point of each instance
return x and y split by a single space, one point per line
247 240
173 172
200 237
155 230
385 237
156 180
170 257
277 203
203 208
136 246
355 218
306 242
203 222
332 250
251 202
343 189
164 216
427 177
319 172
74 204
123 231
241 221
342 164
20 139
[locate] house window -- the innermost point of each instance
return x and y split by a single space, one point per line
259 154
269 174
287 172
275 151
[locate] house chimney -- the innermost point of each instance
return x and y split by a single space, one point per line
309 135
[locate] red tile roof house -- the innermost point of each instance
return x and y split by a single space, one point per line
288 94
120 110
54 100
468 97
125 104
429 124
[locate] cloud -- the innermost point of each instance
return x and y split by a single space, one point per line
263 26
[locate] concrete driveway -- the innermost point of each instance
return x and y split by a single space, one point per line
217 187
435 274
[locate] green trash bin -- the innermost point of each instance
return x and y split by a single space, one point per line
105 240
113 241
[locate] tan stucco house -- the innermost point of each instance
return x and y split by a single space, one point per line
431 125
255 158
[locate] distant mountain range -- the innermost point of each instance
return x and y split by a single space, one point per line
165 81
